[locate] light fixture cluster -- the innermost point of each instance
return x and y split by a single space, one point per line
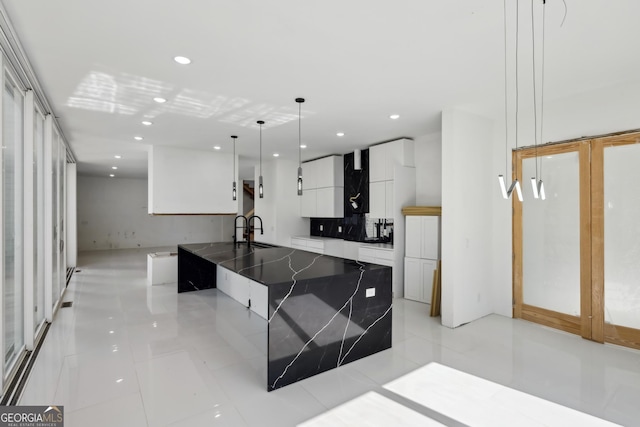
537 185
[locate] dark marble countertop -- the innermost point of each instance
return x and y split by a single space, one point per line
275 265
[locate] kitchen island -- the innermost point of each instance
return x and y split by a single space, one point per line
321 311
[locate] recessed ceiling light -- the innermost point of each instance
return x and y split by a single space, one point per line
147 123
138 138
303 146
217 147
182 60
117 156
340 133
394 116
111 175
276 155
159 100
114 167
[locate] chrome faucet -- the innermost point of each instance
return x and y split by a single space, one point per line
245 228
249 229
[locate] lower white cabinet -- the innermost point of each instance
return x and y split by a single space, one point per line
418 278
376 255
308 244
246 291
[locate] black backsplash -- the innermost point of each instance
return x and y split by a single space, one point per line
329 227
356 185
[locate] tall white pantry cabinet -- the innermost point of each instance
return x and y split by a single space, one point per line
422 252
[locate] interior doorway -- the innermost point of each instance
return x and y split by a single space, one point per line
577 254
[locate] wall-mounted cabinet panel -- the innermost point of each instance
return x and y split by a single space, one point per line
323 188
308 203
183 181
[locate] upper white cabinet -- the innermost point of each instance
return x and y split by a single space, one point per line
309 176
323 188
383 159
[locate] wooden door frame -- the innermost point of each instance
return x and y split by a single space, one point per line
605 332
580 325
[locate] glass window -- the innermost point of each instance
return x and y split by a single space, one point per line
12 170
38 219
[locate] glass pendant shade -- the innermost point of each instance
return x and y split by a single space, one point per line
299 181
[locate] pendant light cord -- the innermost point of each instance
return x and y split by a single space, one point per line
506 106
260 149
544 14
299 134
517 97
535 104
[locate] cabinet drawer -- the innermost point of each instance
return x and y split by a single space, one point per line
299 242
382 254
366 252
315 244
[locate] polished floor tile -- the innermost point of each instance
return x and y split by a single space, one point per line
128 354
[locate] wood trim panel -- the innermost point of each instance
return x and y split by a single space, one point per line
597 241
622 335
422 211
516 249
585 239
553 319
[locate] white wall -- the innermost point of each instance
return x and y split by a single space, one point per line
112 214
280 207
467 185
428 160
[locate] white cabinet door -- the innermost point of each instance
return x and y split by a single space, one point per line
324 200
223 283
413 238
308 203
330 171
329 202
309 175
412 279
428 266
377 200
388 199
377 163
259 295
430 239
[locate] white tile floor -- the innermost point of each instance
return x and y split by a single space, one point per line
127 354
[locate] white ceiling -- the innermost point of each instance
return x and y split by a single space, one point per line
356 62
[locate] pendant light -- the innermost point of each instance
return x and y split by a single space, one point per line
515 185
260 186
299 101
234 192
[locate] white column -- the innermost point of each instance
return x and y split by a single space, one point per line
72 216
28 232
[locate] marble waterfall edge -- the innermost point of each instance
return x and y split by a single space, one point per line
322 323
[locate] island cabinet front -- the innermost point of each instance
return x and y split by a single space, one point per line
247 292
